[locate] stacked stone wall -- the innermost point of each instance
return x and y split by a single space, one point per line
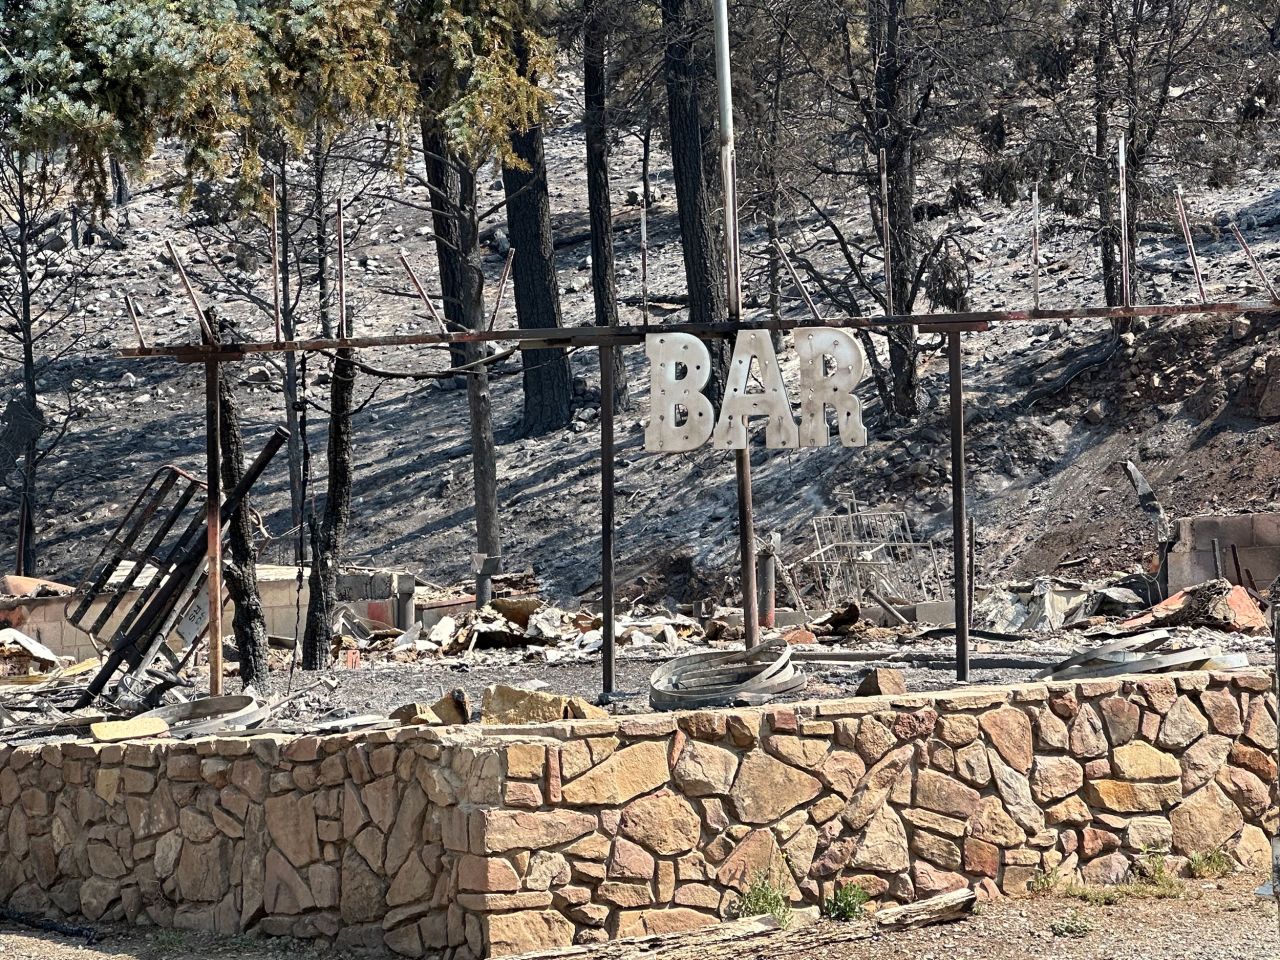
468 842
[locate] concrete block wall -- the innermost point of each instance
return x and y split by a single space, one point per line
473 841
1256 537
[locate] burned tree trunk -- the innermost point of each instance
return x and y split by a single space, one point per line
329 532
548 383
442 180
604 287
240 562
702 268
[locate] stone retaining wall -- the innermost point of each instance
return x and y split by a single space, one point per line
470 842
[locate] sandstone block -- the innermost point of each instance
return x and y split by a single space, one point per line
1260 726
1149 834
517 829
930 881
1249 793
703 769
1106 871
1123 797
928 820
1261 765
767 789
1223 712
1141 761
1121 718
1015 790
972 766
884 844
942 794
622 777
938 851
1087 739
757 855
802 752
1009 731
526 932
981 857
842 772
1203 760
643 923
1183 724
1204 821
664 822
957 730
992 824
1053 778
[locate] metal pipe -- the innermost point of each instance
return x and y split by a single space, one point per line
191 293
633 334
1124 223
213 523
769 585
422 294
959 521
1035 246
1244 245
795 278
1191 247
133 316
606 519
502 286
733 284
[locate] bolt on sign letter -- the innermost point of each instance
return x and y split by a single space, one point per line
832 365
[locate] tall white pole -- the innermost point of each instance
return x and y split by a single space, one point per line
733 283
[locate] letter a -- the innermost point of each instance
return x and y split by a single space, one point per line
820 390
671 394
773 402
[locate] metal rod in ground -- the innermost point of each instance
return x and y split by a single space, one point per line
344 325
213 550
607 682
1124 224
795 278
959 517
747 548
1191 246
1244 245
768 567
1035 246
733 282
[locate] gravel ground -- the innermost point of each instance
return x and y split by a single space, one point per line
1212 921
380 688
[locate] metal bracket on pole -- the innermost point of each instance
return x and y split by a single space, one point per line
484 568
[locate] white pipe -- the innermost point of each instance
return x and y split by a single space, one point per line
728 161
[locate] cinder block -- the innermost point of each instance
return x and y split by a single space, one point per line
1266 529
1236 530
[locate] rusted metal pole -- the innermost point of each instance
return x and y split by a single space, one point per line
422 294
769 583
1191 247
606 519
593 336
1244 245
191 293
1124 223
213 521
795 278
733 285
133 315
959 518
1035 246
502 286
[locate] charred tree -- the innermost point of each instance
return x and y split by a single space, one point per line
548 383
442 180
702 267
240 561
604 288
329 531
